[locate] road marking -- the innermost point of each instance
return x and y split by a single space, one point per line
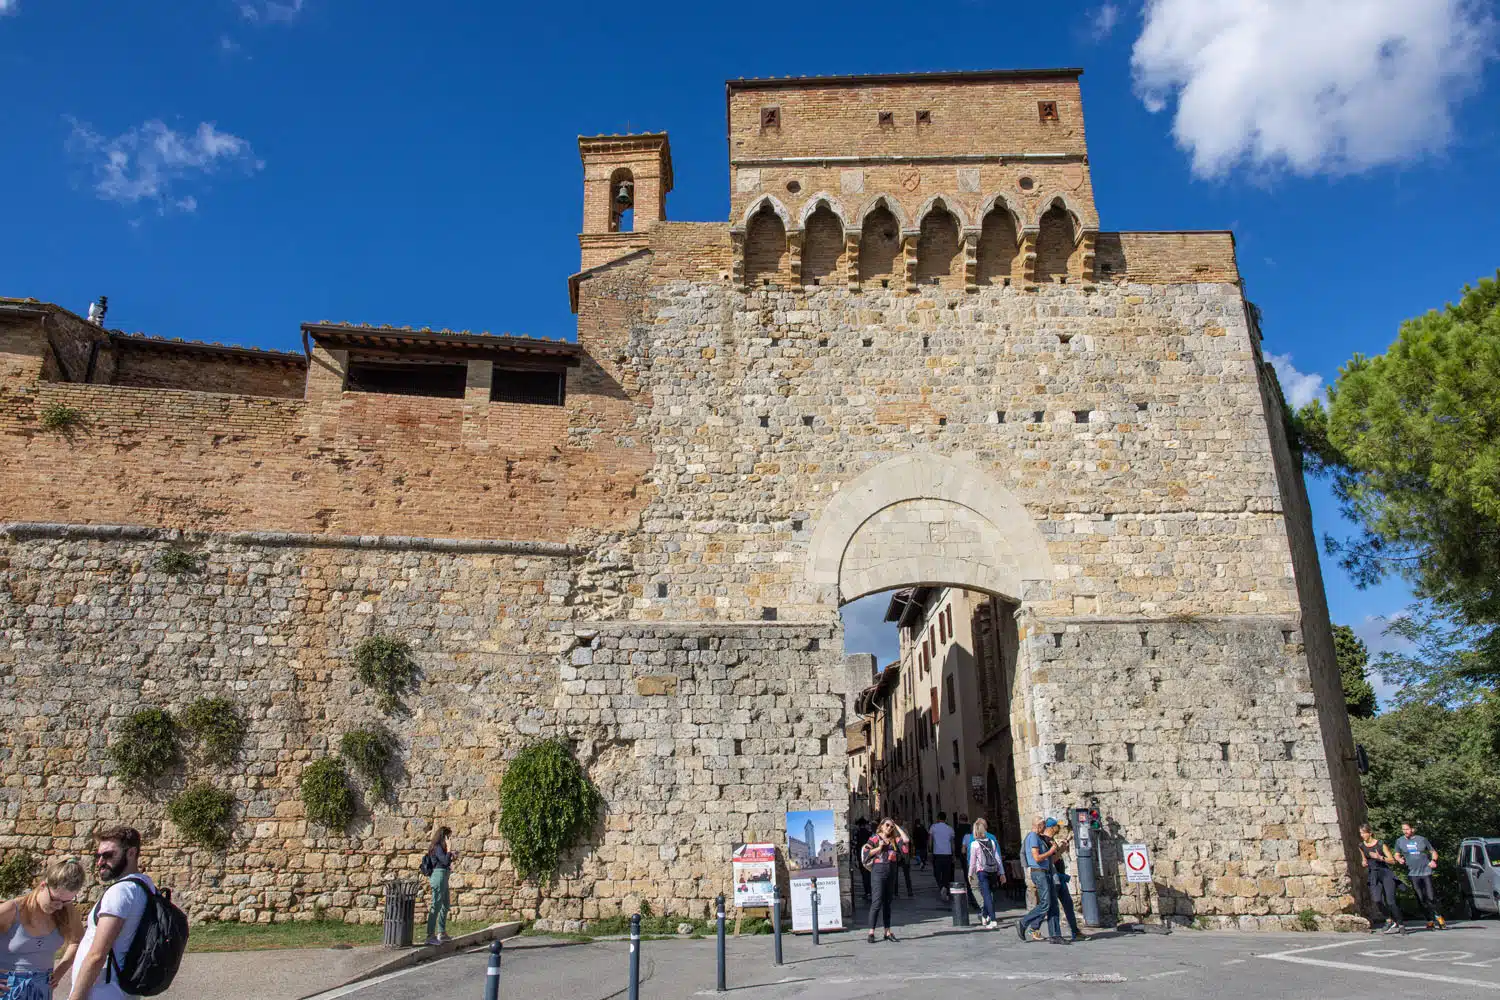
344 991
1297 956
1235 961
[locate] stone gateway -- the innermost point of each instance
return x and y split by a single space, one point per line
911 356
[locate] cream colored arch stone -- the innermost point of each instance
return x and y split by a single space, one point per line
1047 203
822 198
926 518
890 203
1003 203
776 206
952 207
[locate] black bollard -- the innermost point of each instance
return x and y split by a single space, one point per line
492 977
776 925
960 900
815 911
720 904
635 957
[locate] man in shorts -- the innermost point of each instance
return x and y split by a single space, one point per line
1421 860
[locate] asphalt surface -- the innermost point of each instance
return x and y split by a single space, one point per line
934 958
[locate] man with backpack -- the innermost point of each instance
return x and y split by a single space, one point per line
134 938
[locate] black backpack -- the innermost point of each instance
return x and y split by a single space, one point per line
428 866
155 952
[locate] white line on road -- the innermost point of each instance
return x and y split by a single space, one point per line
1296 956
344 991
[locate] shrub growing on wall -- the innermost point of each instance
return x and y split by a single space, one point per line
202 814
217 727
326 793
386 666
547 803
370 752
175 562
17 873
145 747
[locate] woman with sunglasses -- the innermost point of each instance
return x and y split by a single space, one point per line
34 927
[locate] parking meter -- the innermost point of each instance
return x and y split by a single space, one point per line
1086 833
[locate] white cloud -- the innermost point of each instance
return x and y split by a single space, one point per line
146 163
1103 21
271 11
866 631
1313 86
1300 388
9 7
1372 631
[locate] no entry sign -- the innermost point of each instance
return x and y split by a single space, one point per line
1137 863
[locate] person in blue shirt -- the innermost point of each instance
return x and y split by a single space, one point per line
1037 856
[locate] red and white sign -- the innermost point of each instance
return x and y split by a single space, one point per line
1137 863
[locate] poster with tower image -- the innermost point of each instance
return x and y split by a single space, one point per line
812 853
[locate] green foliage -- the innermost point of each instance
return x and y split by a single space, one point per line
1307 920
326 793
57 417
371 752
1352 656
218 728
175 562
663 926
17 873
386 666
1412 441
146 747
1437 768
547 804
203 815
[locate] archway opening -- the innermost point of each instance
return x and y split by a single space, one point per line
879 246
823 246
932 671
765 247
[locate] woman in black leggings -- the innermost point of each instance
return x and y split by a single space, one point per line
881 854
1377 860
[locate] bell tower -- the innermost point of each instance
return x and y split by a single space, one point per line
625 183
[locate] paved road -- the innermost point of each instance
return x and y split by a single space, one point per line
934 958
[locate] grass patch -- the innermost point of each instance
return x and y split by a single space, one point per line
229 936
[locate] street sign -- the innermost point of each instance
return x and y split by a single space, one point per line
1137 863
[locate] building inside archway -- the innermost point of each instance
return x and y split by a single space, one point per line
929 730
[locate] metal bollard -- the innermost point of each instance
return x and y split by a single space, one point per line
957 892
776 925
815 911
492 978
635 957
720 903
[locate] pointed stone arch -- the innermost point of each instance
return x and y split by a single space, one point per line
999 243
822 198
1058 200
871 537
940 259
946 202
999 202
776 206
891 205
823 244
1057 238
766 257
880 241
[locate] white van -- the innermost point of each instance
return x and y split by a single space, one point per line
1479 874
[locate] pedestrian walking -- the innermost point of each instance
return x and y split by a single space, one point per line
39 933
113 922
919 843
881 854
904 864
1063 842
862 834
1037 856
1376 858
1421 861
985 870
436 866
942 844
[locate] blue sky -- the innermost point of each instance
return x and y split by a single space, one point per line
227 169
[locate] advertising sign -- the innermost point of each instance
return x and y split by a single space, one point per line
812 853
754 874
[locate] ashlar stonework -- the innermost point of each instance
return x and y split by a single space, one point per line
909 356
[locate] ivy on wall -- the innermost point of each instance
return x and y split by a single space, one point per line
203 815
547 805
327 794
371 752
217 727
387 667
145 747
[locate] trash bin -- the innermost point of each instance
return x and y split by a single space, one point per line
400 912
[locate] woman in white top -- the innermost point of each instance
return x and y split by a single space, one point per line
986 870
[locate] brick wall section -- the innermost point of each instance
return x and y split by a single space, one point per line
73 343
155 369
341 462
968 116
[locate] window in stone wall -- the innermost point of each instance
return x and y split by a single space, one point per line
948 694
541 388
445 381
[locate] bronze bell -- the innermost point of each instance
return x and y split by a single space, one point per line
624 198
